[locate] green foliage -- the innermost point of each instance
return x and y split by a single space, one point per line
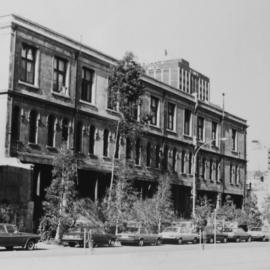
125 93
11 213
203 210
118 203
266 209
60 195
158 210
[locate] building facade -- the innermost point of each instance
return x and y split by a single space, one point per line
179 74
54 90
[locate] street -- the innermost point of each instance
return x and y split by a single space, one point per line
238 256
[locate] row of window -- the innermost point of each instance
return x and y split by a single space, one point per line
171 123
155 157
29 73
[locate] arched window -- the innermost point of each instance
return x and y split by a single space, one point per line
65 124
165 160
157 156
105 142
15 125
92 139
116 154
33 126
174 160
138 152
128 148
183 156
148 154
51 131
79 137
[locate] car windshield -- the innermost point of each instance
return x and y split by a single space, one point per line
131 230
11 228
170 229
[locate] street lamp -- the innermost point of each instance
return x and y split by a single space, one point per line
195 153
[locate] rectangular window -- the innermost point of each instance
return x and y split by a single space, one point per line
171 116
28 61
231 174
87 84
154 109
214 134
234 140
60 75
187 123
200 129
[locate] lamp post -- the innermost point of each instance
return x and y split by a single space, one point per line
195 153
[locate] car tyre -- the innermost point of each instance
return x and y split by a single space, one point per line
9 248
30 245
141 243
71 244
179 241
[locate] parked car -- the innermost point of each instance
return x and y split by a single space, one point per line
259 234
97 236
209 235
179 235
10 237
237 234
138 235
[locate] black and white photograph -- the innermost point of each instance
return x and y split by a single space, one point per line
134 134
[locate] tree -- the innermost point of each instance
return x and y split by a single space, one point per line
60 195
266 209
125 96
160 206
203 210
117 205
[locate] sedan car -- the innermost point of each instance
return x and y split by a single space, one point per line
259 234
10 237
139 236
237 235
179 235
94 236
209 234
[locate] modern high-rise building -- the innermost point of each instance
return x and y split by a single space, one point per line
179 74
54 90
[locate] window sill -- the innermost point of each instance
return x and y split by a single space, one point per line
155 127
215 147
34 145
107 159
138 166
93 156
235 153
188 137
51 148
33 86
60 95
89 104
113 112
173 132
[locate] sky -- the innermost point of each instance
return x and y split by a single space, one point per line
227 40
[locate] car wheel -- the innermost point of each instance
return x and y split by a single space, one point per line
225 240
195 240
237 240
111 243
211 240
9 248
158 242
71 244
30 245
180 241
141 243
249 239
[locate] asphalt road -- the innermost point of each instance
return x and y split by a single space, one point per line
230 256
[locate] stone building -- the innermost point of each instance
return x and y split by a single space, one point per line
54 90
